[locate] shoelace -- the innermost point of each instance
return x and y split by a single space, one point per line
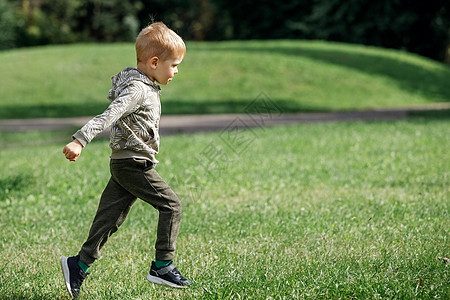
178 274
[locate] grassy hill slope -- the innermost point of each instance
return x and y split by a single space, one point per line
223 77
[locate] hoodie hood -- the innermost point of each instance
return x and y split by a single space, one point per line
122 80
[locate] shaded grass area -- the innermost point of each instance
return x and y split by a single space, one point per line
431 114
224 77
170 107
337 210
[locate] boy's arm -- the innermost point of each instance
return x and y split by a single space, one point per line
123 105
73 150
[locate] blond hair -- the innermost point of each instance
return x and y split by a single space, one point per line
160 41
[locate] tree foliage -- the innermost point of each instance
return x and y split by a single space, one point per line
7 25
417 26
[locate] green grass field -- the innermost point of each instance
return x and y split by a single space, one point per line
223 77
338 210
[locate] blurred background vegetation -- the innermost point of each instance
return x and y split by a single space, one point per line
421 27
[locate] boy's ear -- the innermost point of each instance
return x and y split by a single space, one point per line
153 62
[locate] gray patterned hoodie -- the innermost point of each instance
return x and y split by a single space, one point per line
133 115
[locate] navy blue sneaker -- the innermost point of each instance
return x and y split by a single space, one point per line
168 275
73 275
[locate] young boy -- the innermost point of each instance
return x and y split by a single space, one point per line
134 115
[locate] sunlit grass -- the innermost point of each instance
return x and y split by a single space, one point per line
338 210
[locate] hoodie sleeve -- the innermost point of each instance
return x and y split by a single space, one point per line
126 103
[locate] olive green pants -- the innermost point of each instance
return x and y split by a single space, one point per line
131 179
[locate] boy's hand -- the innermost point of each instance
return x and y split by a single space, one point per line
73 150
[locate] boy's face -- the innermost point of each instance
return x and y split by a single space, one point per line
165 70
